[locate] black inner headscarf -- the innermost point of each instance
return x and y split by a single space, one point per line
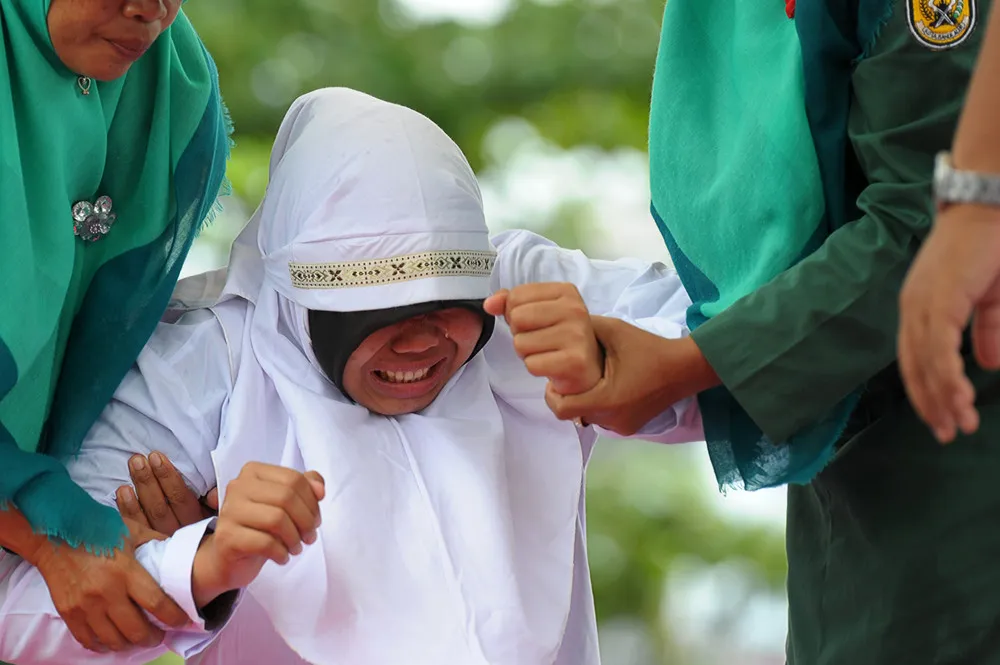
336 335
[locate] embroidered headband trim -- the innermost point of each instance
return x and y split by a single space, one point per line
405 268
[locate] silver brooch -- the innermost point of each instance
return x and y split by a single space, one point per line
92 221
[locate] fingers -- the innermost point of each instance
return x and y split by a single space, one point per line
278 511
945 394
540 315
182 500
956 271
541 292
561 336
537 306
151 497
496 304
279 505
553 335
584 406
130 622
289 478
317 483
570 371
930 360
211 500
251 542
76 622
128 506
140 534
107 634
146 593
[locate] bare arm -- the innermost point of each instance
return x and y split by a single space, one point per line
977 142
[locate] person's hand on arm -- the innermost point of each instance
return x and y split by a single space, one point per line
100 598
956 275
601 370
161 499
269 512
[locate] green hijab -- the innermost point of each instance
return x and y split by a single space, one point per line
75 314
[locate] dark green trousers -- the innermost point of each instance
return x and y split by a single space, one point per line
894 550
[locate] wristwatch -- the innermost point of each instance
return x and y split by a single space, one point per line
954 186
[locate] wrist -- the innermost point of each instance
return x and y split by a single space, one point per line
17 536
693 370
206 582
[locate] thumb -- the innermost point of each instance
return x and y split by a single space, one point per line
569 407
496 304
212 499
605 328
140 534
317 483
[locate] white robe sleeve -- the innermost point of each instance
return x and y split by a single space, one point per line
647 295
171 401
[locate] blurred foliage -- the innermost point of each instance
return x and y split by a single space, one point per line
580 72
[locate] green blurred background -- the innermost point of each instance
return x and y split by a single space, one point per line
549 100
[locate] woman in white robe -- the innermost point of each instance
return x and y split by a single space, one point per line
451 535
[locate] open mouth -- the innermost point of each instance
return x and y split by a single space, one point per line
408 376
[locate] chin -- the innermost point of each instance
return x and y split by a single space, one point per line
401 408
107 71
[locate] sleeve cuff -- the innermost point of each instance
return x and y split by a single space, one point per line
681 423
178 562
175 578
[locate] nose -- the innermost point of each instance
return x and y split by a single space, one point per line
417 337
147 11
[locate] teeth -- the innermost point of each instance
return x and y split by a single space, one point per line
403 377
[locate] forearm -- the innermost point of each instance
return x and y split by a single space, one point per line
17 536
977 142
814 334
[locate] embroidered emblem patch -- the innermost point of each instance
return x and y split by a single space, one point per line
941 24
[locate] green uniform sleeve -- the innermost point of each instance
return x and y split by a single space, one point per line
799 344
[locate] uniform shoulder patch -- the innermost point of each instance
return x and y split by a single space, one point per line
941 24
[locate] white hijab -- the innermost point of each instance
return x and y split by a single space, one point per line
447 535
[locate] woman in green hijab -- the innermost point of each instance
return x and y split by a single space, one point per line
114 141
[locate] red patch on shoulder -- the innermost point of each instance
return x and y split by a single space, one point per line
790 8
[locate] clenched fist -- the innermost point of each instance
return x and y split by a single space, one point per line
553 334
267 515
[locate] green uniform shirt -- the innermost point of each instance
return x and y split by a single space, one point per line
894 550
828 325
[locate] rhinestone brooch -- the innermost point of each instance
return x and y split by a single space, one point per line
92 221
